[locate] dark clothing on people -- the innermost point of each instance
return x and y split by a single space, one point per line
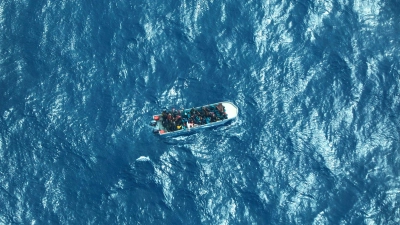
174 120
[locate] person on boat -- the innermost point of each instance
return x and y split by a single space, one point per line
204 120
185 115
172 125
202 112
164 123
164 114
174 112
213 118
178 120
220 108
225 115
200 120
169 117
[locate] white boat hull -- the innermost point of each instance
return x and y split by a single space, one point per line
230 109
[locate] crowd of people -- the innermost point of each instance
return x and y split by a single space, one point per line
177 120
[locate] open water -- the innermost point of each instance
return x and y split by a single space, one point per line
316 82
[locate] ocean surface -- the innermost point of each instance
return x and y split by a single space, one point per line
317 139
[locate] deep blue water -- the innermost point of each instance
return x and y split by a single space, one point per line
316 82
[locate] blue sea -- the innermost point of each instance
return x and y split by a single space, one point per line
317 139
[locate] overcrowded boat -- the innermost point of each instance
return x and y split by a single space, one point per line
176 122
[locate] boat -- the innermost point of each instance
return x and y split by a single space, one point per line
180 122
